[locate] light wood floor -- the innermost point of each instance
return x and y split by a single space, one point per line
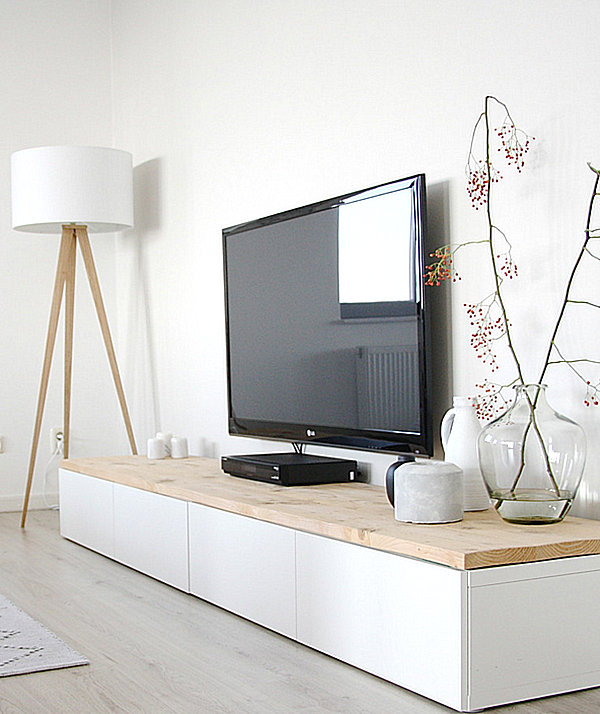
153 649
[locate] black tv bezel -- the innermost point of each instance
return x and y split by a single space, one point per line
384 441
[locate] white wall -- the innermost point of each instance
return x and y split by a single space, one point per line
239 109
235 109
55 88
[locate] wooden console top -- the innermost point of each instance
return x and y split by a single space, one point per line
353 512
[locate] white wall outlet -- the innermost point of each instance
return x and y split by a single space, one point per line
364 472
56 438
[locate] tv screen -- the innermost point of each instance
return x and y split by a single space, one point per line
326 321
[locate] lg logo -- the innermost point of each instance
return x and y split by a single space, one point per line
310 432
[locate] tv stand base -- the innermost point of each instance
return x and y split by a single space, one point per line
472 615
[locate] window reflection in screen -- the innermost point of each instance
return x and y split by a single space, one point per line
376 248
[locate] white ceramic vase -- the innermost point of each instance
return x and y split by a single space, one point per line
459 431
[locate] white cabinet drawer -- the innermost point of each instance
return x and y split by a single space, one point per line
86 511
534 636
151 534
245 566
395 617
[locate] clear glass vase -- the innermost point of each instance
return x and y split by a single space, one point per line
532 459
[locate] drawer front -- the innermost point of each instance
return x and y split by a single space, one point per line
534 637
86 511
392 616
151 535
244 565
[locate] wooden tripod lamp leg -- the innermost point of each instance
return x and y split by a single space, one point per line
62 268
90 267
68 367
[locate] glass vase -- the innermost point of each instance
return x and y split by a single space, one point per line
532 459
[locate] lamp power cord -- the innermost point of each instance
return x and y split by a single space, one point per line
57 455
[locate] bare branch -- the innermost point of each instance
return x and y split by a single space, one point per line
582 252
583 302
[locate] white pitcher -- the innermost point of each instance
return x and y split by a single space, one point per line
459 431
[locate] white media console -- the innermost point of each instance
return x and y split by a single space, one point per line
472 614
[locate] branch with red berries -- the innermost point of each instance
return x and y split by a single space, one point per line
488 317
443 266
491 399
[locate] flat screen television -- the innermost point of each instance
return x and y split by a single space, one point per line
327 323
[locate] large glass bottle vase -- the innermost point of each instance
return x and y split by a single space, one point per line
532 459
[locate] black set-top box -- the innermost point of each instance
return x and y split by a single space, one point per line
290 469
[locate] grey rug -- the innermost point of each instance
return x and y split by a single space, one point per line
26 646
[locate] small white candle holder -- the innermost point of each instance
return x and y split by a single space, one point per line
179 447
165 437
155 449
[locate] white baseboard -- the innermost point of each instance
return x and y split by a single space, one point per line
8 504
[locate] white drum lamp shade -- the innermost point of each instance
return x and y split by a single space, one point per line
54 186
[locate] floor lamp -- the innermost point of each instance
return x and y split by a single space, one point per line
71 190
